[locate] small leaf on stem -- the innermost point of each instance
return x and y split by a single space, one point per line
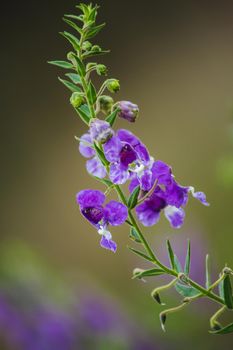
187 259
171 254
133 199
62 64
227 292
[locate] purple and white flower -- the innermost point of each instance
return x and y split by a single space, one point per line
126 153
166 195
91 203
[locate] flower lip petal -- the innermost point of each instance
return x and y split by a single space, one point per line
175 216
108 244
199 196
115 213
117 174
90 198
96 168
84 146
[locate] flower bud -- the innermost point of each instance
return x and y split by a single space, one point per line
113 85
101 69
127 110
96 48
76 99
87 45
70 57
100 130
105 103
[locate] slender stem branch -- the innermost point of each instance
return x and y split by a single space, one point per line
133 222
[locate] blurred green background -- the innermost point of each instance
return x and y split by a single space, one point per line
174 59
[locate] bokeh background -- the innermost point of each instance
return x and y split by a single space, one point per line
174 59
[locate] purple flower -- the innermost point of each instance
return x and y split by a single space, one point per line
127 154
166 195
113 213
127 110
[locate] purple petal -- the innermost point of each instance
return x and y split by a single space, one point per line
133 184
90 198
108 244
118 175
199 195
162 172
85 150
146 180
175 216
96 168
176 195
115 213
142 153
147 215
112 149
128 137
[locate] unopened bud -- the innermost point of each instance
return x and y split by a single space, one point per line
76 99
87 45
127 110
113 85
105 104
101 69
71 57
96 48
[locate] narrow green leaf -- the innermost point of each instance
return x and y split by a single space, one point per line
93 31
178 267
72 39
133 199
187 259
220 290
207 272
142 255
85 109
134 235
62 64
186 291
78 18
83 115
227 292
225 330
91 93
171 255
80 65
149 273
101 155
73 25
69 85
89 54
112 117
105 182
75 78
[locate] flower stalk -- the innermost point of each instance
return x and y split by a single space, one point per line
117 157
